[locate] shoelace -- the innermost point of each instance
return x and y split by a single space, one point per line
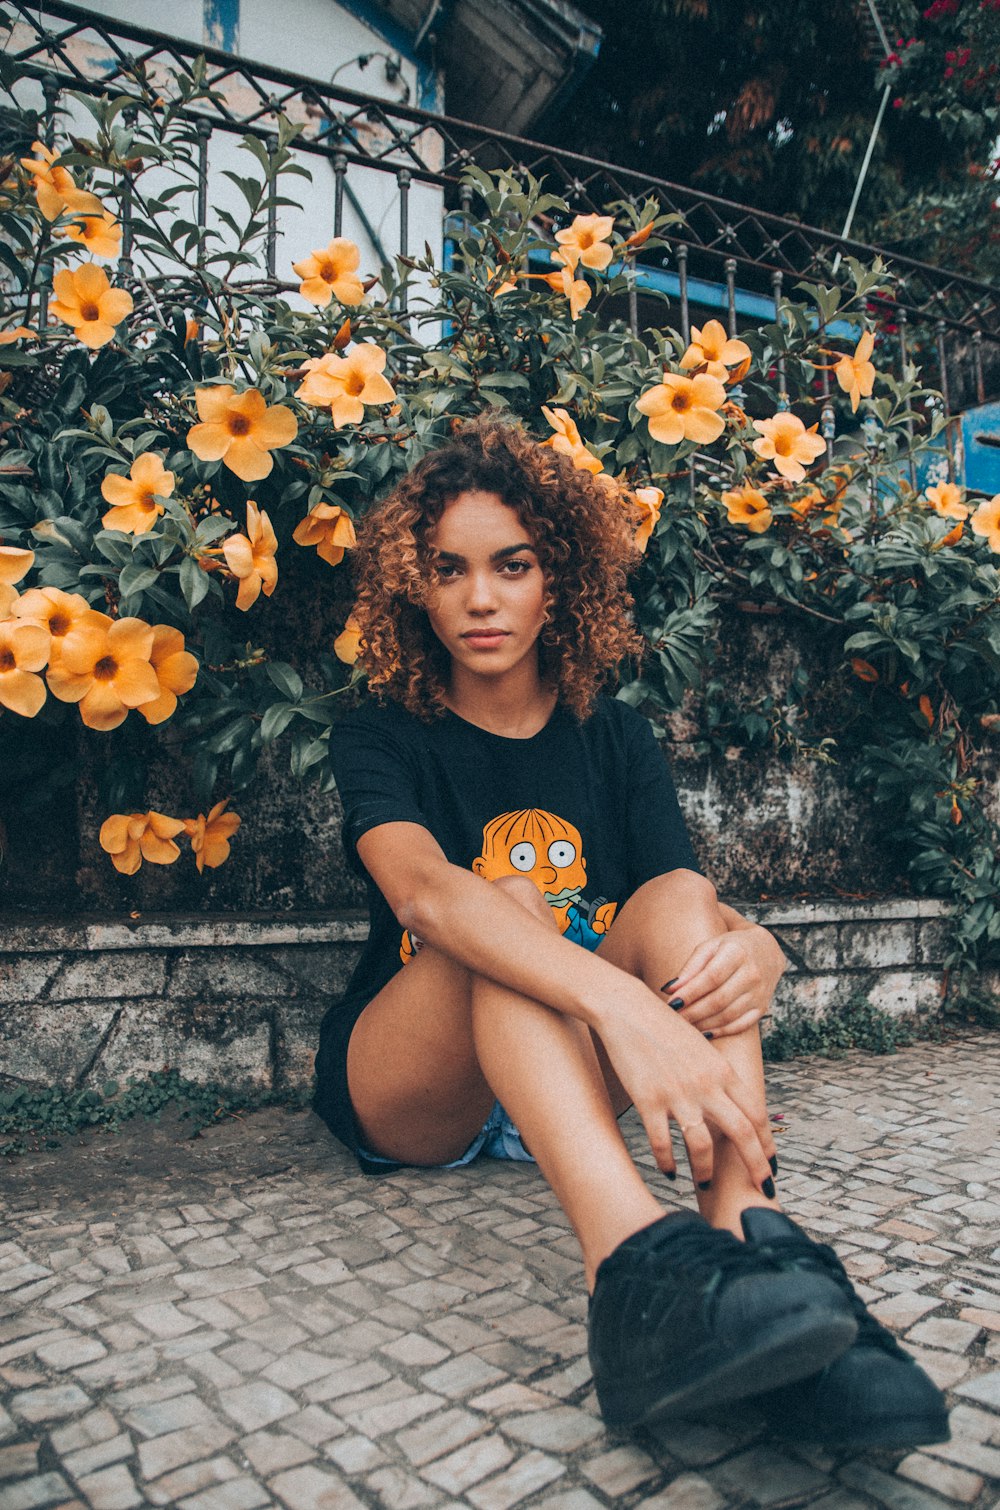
806 1254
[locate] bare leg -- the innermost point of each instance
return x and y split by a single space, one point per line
655 932
432 1050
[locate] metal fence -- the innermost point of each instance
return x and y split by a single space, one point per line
737 249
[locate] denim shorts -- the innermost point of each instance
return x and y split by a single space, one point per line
498 1138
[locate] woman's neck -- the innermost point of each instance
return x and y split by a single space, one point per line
516 708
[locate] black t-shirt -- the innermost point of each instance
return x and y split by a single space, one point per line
586 810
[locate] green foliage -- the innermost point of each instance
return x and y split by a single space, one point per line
904 616
856 1025
33 1118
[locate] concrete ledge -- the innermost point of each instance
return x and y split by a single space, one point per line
239 998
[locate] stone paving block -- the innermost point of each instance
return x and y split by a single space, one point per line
110 1489
438 1435
621 1470
315 1426
312 1488
686 1492
235 1494
162 1454
42 1489
886 1489
162 1416
255 1405
18 1460
354 1455
89 1459
270 1451
572 1499
189 1480
769 1475
524 1477
461 1375
457 1472
394 1486
51 1403
985 1388
563 1429
944 1478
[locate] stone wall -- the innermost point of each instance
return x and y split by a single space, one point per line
240 1000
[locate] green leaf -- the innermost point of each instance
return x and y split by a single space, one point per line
276 721
286 679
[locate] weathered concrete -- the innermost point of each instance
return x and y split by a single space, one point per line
240 999
245 1320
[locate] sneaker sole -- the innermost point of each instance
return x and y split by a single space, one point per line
795 1346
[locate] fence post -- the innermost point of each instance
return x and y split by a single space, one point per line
404 178
777 280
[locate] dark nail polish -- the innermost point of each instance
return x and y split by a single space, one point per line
671 1174
704 1184
670 983
773 1161
709 1036
768 1189
677 1003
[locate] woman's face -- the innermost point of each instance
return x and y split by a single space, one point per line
486 597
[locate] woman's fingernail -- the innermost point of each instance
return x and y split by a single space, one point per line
773 1161
671 1174
704 1184
768 1189
677 1003
670 984
709 1035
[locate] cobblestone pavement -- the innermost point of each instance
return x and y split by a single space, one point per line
245 1320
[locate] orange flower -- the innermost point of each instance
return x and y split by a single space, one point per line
683 408
952 538
786 441
746 506
176 671
856 374
240 430
58 613
650 501
576 290
250 557
210 836
24 649
864 670
805 504
567 440
105 668
9 599
130 838
86 301
55 188
100 234
927 708
14 563
135 508
713 349
986 521
346 384
328 528
15 333
331 271
946 499
347 645
586 241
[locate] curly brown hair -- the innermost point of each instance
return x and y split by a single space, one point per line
580 530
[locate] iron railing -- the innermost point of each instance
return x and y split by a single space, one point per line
64 46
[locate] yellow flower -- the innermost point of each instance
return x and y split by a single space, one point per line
786 441
24 649
331 271
176 671
567 440
14 563
134 498
805 504
130 838
100 234
58 613
713 349
9 599
746 506
650 501
210 836
86 301
347 645
250 557
240 430
345 385
986 521
946 499
952 537
105 668
15 333
856 374
576 290
586 241
55 188
683 408
328 528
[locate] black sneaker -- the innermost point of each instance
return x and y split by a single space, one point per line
684 1316
874 1395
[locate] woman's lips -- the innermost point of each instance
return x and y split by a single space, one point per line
485 639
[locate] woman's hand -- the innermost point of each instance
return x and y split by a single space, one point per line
727 983
672 1075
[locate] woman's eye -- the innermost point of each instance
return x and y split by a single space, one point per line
522 856
561 853
517 568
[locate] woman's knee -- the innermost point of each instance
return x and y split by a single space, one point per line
688 888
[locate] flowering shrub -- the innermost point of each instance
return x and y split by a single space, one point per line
171 440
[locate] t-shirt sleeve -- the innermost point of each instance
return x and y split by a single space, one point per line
376 774
658 839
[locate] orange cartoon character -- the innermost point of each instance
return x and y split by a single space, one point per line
549 851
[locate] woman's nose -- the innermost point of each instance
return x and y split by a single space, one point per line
481 595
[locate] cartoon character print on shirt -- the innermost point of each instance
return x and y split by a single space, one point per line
548 851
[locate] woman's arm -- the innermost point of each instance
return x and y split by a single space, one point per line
664 1063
